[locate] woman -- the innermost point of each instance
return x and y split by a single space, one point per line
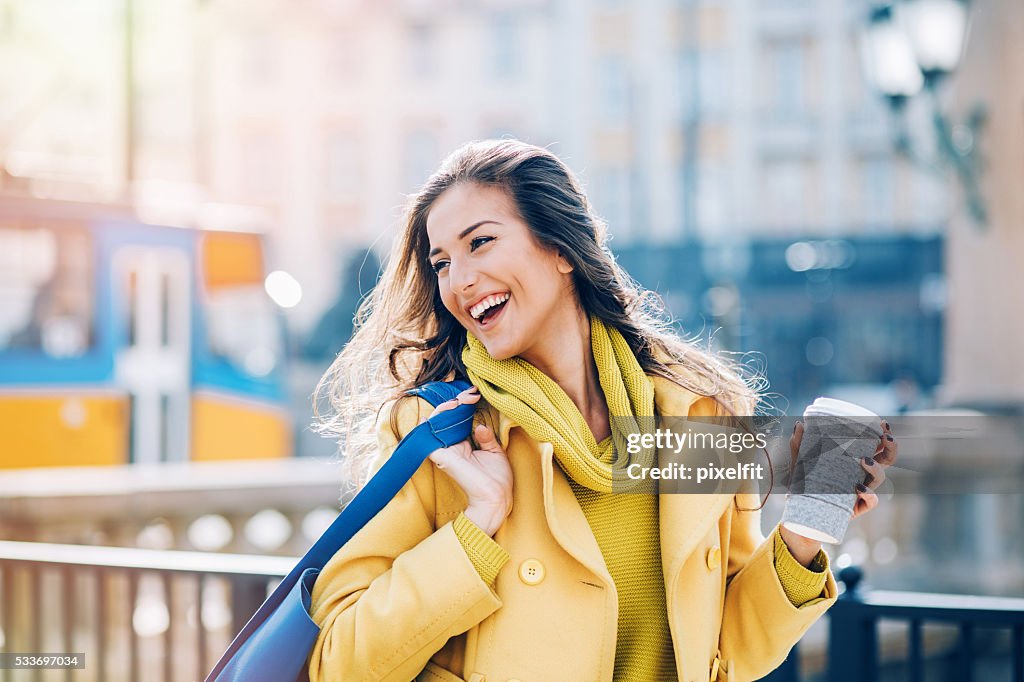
511 558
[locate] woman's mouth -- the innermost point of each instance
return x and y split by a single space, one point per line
487 312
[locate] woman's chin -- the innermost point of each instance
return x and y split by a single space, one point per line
498 350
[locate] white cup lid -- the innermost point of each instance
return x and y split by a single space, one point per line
833 407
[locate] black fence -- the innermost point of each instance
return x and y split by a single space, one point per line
988 644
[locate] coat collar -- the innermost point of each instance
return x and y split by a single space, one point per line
683 519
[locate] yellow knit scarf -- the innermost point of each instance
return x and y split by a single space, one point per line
528 396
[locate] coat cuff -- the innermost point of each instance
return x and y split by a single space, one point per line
488 556
800 583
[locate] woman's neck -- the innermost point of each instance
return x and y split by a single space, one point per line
570 364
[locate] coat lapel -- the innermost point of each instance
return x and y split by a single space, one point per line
683 518
566 519
563 513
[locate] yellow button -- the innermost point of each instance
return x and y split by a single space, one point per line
714 669
714 557
531 572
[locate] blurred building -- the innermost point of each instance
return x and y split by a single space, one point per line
686 119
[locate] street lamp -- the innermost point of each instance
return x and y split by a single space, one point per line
911 46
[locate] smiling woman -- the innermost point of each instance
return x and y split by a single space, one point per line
502 277
495 278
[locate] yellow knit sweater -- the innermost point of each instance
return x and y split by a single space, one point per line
624 525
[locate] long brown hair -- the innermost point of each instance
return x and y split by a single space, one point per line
406 337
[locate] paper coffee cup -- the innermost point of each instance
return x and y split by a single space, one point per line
837 434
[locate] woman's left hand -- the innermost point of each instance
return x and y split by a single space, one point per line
804 549
875 466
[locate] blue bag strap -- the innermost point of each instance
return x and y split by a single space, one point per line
442 430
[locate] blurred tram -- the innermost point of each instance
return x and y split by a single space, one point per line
124 343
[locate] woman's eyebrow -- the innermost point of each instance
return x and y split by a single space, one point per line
462 235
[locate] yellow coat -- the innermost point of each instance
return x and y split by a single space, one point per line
402 600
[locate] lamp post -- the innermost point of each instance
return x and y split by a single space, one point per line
910 47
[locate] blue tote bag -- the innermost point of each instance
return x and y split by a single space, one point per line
275 644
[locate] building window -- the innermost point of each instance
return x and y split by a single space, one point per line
712 195
785 184
343 167
506 46
785 79
614 75
707 202
421 158
422 51
876 191
46 290
710 94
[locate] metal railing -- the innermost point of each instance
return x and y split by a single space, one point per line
138 614
111 506
167 615
855 620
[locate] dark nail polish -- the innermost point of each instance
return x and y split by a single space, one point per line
861 487
886 425
870 461
890 439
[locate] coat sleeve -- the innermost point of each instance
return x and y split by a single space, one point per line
759 622
401 587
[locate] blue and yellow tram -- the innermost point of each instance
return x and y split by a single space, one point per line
122 342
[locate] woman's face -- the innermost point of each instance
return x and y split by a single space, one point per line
494 277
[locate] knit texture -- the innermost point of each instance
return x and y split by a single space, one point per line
800 583
533 400
488 556
625 525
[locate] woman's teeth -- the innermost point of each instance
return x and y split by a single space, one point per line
482 307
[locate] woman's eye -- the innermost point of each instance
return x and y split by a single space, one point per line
477 242
438 265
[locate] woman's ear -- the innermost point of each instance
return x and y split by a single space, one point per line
563 265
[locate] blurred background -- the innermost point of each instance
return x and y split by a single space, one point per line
196 194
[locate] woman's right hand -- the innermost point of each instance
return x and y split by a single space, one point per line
485 475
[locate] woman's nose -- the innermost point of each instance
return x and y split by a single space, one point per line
461 278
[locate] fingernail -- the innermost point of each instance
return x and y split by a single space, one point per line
869 461
795 424
861 487
890 438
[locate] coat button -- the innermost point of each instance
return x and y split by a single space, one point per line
714 557
714 669
531 572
